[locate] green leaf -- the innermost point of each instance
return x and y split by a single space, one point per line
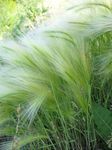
103 121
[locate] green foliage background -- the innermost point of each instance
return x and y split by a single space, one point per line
18 16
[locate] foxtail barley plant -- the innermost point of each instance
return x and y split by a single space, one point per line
56 84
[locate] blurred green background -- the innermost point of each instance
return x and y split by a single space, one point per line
18 16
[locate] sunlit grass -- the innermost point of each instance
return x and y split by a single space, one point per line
56 81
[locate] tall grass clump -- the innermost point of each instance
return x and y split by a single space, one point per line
55 84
